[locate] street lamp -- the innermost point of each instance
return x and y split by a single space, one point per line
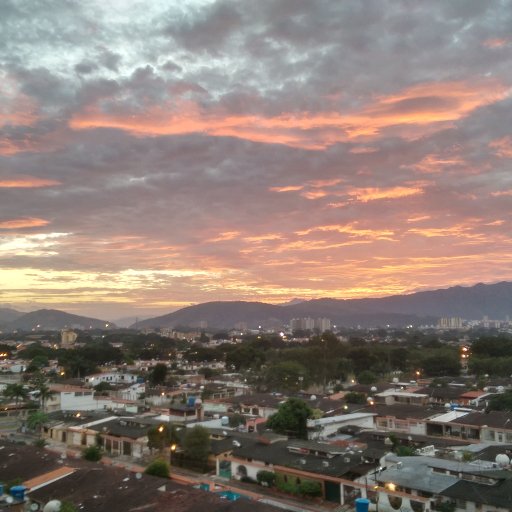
172 449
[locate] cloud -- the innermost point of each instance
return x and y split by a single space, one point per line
172 154
27 182
23 223
375 194
425 107
502 147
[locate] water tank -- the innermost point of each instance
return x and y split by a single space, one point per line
224 421
362 504
191 401
52 506
18 492
1 489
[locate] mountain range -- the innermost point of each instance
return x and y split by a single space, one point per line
471 303
47 320
421 308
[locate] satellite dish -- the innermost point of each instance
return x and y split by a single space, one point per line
312 397
395 380
373 389
63 456
34 506
9 499
138 476
502 459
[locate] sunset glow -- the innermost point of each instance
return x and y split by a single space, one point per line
184 152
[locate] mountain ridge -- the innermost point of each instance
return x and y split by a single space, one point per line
424 307
54 320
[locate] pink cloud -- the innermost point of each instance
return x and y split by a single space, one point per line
419 109
28 222
27 182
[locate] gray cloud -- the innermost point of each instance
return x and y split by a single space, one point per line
193 154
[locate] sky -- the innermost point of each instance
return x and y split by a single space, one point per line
157 154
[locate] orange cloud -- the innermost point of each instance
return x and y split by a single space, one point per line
29 222
419 109
373 194
27 182
435 163
324 183
502 193
496 42
227 235
457 231
291 188
350 229
503 147
313 194
263 238
419 219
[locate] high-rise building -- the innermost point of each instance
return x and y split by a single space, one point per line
68 338
323 324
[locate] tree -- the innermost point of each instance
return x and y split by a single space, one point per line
39 384
291 418
287 376
158 468
441 364
16 391
235 420
367 377
162 436
501 402
196 443
40 361
354 397
92 453
36 420
158 374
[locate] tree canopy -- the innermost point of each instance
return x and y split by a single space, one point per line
196 443
291 418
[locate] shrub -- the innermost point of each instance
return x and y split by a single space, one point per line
92 453
40 443
287 487
310 488
158 468
266 478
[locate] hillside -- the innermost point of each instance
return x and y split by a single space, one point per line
8 315
52 319
493 300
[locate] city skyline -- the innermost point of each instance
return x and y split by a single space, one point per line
155 155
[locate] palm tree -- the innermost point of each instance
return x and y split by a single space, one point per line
16 391
39 383
36 420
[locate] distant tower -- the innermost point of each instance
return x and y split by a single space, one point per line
68 338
